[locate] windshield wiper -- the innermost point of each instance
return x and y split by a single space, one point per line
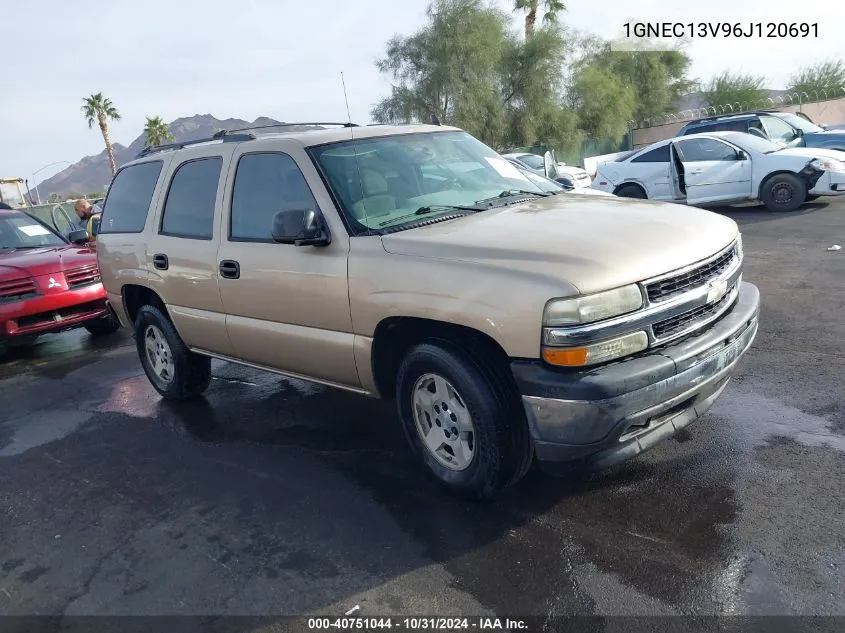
430 209
511 193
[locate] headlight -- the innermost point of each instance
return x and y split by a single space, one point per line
597 352
591 308
828 164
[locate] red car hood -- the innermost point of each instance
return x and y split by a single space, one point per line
43 261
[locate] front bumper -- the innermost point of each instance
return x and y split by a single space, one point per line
598 417
832 183
55 312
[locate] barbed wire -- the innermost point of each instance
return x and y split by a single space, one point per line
768 103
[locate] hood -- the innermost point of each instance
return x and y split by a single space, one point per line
594 243
825 136
812 152
43 261
570 170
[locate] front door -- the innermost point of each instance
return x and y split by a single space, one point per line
714 171
287 306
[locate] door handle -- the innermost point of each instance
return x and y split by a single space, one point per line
160 261
230 269
695 171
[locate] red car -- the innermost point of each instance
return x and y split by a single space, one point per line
47 283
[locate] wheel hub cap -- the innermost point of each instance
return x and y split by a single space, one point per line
443 422
159 355
782 193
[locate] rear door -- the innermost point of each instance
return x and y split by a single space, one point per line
653 170
714 171
287 305
182 252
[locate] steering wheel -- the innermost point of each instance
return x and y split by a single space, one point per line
54 214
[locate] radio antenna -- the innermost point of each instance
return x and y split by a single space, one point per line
354 148
345 98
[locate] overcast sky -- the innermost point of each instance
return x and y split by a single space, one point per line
283 59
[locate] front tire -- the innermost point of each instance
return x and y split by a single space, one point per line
102 326
175 371
784 192
463 421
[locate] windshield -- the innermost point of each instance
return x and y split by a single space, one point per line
383 182
18 230
808 127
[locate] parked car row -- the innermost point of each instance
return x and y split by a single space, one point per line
779 159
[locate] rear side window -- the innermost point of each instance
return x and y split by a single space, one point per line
189 207
657 155
265 184
130 194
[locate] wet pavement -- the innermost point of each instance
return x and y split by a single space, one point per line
272 496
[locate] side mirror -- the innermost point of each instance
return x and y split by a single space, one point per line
79 237
740 155
300 227
756 132
799 133
566 182
93 227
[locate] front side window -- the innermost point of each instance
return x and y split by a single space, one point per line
777 129
130 194
189 207
19 231
383 182
704 149
265 184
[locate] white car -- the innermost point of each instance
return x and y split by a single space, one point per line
577 176
551 186
725 168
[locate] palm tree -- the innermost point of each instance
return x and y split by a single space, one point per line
552 7
100 109
156 131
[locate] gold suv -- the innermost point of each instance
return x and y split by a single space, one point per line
509 322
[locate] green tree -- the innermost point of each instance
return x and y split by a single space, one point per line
817 79
99 109
468 69
734 89
659 78
551 10
605 103
156 132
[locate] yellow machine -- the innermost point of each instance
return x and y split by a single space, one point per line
11 192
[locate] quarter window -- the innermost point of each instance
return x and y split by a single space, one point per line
265 183
657 155
130 194
705 149
189 208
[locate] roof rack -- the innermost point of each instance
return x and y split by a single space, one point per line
227 138
223 133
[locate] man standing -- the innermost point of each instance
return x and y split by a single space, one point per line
84 210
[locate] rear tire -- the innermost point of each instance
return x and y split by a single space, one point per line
102 326
175 371
783 192
441 391
631 191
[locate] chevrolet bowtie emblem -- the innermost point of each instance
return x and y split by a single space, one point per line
717 290
52 283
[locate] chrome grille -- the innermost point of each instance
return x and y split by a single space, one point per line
669 287
17 290
688 321
83 276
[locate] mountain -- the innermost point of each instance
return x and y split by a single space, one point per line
92 173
